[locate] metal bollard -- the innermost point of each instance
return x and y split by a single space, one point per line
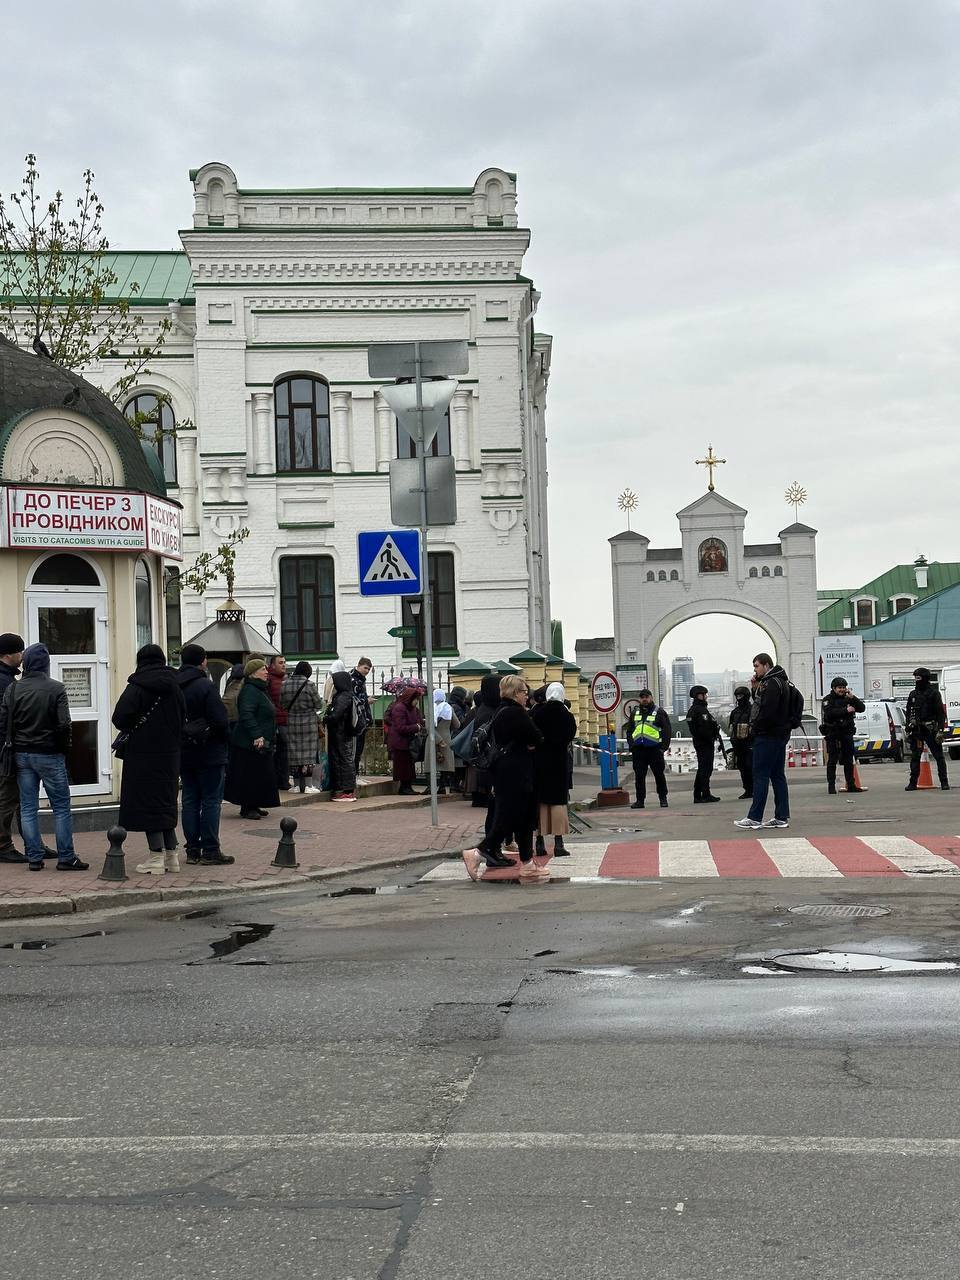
113 865
286 849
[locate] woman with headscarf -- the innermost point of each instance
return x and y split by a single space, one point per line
251 780
151 712
516 738
447 723
550 766
401 721
478 782
340 719
459 699
337 665
301 700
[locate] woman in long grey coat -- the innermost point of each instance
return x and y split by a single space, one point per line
447 725
301 700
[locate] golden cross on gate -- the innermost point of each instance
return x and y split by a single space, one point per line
710 461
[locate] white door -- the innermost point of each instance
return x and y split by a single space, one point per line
72 623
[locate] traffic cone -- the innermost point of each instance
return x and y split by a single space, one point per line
856 779
925 781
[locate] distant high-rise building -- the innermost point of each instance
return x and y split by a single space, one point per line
683 677
665 693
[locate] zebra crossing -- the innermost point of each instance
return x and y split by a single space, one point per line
806 857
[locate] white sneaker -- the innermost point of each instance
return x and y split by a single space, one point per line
748 824
776 822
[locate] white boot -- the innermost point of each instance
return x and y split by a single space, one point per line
154 865
170 860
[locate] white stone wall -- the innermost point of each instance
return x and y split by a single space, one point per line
302 283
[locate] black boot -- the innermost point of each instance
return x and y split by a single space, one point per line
559 848
540 849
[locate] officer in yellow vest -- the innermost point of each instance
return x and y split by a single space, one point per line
648 734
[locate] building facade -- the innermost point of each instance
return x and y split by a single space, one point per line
682 678
274 300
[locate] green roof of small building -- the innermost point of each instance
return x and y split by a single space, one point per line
149 278
504 668
469 667
899 581
528 656
935 617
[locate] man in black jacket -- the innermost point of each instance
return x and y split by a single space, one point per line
926 720
771 731
11 652
838 714
648 733
37 710
741 739
705 731
203 759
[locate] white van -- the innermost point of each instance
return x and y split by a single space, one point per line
881 732
950 692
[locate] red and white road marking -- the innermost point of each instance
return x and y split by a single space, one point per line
816 857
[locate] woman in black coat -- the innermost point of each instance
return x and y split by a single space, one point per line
151 710
485 704
551 764
251 779
516 737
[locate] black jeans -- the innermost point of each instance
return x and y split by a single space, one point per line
701 783
651 758
743 757
925 737
840 749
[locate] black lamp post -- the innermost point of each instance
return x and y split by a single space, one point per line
271 629
416 609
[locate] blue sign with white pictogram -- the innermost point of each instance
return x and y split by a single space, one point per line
389 563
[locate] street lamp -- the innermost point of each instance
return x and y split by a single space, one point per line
416 610
271 629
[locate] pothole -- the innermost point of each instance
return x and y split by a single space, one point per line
242 935
853 912
855 962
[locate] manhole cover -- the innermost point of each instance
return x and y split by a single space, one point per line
843 913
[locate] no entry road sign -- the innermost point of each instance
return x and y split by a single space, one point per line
605 691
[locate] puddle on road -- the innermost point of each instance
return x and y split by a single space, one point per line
855 962
43 944
363 890
242 935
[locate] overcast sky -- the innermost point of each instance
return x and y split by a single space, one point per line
744 218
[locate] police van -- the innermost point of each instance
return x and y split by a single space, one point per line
881 731
950 692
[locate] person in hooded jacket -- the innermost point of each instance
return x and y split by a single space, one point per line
446 724
558 727
926 719
251 778
741 738
458 698
478 782
231 692
203 759
151 710
401 721
328 696
358 678
838 716
340 719
704 731
301 700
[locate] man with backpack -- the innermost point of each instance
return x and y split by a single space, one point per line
340 720
777 710
203 759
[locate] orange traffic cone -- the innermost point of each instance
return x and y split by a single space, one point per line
856 779
925 781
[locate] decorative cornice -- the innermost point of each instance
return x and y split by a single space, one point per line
291 269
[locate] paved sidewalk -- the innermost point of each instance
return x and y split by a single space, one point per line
330 837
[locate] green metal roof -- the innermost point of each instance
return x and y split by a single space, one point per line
898 581
936 617
163 276
470 667
528 656
504 669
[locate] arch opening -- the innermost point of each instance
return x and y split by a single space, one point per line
716 649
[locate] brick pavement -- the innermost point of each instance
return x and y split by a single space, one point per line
330 837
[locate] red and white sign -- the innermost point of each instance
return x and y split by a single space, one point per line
605 691
35 517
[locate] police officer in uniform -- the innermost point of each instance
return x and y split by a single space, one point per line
704 731
838 713
926 720
648 733
742 739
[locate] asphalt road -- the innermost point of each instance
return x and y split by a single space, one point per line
461 1081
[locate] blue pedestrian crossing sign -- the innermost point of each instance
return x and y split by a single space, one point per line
389 562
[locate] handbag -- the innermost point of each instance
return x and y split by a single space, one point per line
196 732
8 762
120 743
418 745
461 743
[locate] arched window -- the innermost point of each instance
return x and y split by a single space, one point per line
302 414
765 571
662 575
753 572
674 576
64 570
651 576
778 570
902 602
154 420
440 448
143 604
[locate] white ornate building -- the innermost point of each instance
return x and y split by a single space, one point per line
274 299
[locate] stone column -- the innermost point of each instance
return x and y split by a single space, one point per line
262 432
340 430
460 429
187 461
386 434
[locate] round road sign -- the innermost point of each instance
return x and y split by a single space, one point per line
605 691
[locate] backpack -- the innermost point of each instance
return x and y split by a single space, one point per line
483 748
794 706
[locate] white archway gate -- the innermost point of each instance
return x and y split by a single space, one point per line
714 571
